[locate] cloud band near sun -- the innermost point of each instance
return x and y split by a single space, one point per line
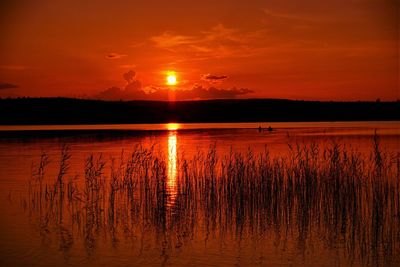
134 90
197 92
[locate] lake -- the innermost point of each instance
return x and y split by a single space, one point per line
206 194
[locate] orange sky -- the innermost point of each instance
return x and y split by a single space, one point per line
326 50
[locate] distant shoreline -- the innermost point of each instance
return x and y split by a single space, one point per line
68 111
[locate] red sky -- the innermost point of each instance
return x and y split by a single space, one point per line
312 49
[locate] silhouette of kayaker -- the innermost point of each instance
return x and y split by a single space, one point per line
269 129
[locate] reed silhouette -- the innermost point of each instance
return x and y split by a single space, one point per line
331 194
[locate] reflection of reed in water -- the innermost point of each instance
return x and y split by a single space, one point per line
330 196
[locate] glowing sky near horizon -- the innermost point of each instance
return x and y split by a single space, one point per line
325 50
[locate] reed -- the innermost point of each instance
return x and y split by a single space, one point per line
331 194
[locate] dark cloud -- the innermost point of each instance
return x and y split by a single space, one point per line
115 56
210 77
116 93
199 92
129 76
7 86
134 91
134 85
113 93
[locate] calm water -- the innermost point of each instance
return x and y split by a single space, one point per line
191 229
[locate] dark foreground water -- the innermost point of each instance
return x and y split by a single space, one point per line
302 194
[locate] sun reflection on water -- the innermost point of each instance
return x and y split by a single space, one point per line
172 126
172 159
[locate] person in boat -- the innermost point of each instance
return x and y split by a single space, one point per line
259 129
270 129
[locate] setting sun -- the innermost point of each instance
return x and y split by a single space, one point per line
171 78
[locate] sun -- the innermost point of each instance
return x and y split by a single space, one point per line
171 78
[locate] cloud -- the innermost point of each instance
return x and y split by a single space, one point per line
129 76
4 86
115 56
272 13
217 42
168 40
213 78
127 66
137 44
116 93
134 85
200 92
134 91
219 34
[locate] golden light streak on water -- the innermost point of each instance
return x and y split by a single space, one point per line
172 126
172 161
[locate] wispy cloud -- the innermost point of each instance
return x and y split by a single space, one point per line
217 42
127 66
138 44
115 56
4 86
170 41
283 15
